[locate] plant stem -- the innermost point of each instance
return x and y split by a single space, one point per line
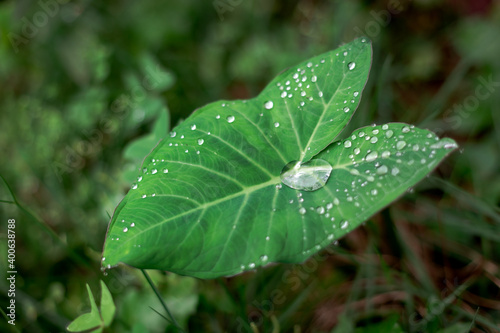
72 254
146 275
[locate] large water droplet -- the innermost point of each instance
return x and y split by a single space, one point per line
347 143
445 143
382 170
351 65
401 144
389 134
200 141
230 119
371 156
269 105
309 176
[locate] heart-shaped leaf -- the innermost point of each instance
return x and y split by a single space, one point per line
240 184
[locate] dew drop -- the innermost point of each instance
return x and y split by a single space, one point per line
346 109
386 154
309 176
394 171
357 151
320 210
173 134
283 94
374 191
371 156
389 134
134 186
302 210
154 171
344 225
374 139
269 105
264 258
193 127
276 124
401 144
405 129
314 78
165 170
351 65
382 170
445 143
125 229
355 94
230 119
347 144
200 141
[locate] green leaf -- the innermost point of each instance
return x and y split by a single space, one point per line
107 305
212 201
87 321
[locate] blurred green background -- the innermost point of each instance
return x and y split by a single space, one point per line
87 88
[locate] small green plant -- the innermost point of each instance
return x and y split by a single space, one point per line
95 321
241 184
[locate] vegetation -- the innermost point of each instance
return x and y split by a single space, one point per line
87 88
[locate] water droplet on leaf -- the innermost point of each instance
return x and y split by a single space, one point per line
308 176
269 105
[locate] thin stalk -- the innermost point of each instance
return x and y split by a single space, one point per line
165 307
73 255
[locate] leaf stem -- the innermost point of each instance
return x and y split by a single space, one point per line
153 286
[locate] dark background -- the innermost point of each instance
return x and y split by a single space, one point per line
81 81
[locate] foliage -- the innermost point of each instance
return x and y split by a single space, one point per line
95 321
210 199
81 89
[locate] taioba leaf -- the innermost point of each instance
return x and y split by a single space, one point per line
240 184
